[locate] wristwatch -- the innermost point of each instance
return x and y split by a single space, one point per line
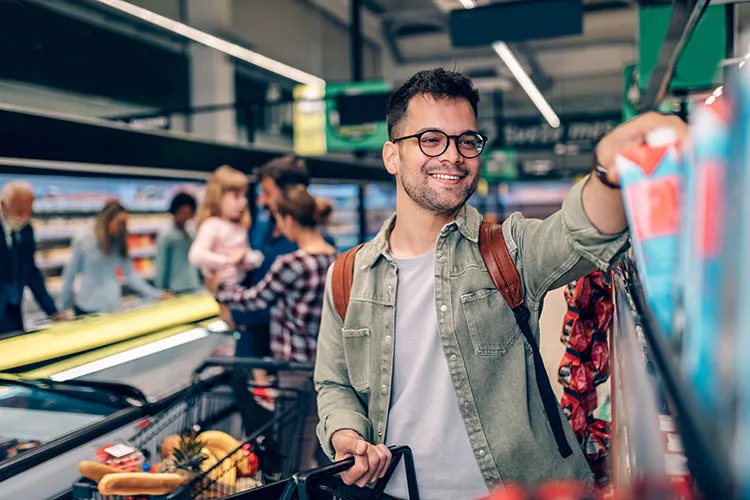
601 173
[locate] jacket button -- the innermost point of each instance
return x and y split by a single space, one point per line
387 338
443 308
442 258
384 389
454 357
482 453
467 405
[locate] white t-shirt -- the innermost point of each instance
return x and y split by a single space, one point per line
424 412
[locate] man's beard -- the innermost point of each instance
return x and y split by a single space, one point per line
428 198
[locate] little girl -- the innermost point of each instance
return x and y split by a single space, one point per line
221 247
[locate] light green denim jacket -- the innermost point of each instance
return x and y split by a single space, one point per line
490 363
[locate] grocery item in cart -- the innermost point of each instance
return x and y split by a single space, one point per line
651 180
121 456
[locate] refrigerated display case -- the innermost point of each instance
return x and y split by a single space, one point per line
344 224
66 205
380 203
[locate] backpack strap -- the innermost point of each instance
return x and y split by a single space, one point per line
505 276
341 281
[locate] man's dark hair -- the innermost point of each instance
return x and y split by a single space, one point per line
438 83
180 200
286 171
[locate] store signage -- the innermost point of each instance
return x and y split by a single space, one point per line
309 121
356 116
575 135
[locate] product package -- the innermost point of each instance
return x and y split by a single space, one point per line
651 180
701 251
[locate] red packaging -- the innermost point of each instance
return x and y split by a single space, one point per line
589 401
603 310
602 281
570 318
571 405
573 373
582 297
597 440
579 336
599 359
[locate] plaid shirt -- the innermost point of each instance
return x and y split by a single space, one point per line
293 288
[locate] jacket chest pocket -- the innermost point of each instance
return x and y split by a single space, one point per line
490 335
357 354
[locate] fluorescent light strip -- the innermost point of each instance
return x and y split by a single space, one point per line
468 4
217 43
131 355
527 84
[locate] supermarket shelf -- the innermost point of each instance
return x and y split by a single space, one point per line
138 253
53 234
702 442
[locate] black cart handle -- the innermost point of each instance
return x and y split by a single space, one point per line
300 483
261 363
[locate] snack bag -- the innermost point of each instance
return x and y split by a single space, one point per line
599 359
573 374
576 414
651 180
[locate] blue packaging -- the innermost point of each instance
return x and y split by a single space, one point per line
651 180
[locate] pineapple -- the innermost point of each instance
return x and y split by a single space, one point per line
188 458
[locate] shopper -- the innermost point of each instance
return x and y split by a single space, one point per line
96 255
173 269
293 291
18 268
429 354
221 246
325 210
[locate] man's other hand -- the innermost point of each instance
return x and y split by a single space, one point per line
371 462
632 134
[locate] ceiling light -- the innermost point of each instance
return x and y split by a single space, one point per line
217 43
526 83
468 4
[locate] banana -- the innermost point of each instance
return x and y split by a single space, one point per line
222 444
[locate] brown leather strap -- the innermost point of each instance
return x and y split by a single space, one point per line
341 281
500 264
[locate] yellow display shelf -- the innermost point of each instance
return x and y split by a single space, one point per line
105 352
71 337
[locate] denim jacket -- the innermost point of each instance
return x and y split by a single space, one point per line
490 362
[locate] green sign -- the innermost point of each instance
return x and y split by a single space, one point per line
344 132
632 96
499 165
698 65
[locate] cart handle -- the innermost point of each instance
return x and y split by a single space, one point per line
262 363
299 482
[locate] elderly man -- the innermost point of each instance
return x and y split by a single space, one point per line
17 267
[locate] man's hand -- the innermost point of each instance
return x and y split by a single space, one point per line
632 134
165 295
371 462
602 204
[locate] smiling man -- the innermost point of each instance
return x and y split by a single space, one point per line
429 355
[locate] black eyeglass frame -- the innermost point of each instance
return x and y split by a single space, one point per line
447 143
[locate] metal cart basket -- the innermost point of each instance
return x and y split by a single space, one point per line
273 436
324 484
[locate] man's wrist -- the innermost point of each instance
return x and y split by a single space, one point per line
602 173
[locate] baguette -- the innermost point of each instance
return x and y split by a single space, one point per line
140 483
96 471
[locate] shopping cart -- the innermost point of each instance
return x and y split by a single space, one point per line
324 483
224 402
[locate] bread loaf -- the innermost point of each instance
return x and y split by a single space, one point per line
140 483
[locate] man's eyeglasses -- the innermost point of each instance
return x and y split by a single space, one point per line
435 142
